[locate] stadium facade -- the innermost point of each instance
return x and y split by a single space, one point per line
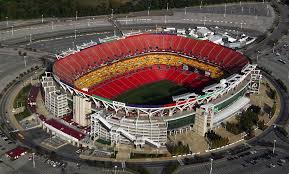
102 71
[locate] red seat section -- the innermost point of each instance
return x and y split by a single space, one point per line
76 65
131 80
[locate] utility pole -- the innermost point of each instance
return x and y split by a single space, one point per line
167 6
274 146
24 57
115 169
149 10
12 30
211 168
257 57
33 158
185 10
201 4
74 33
112 13
205 21
225 10
42 18
7 23
76 12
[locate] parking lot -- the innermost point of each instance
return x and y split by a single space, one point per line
251 161
29 123
6 144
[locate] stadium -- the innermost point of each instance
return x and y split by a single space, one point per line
145 86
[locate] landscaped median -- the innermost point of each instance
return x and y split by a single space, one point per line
21 101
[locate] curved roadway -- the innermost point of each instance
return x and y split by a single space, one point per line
265 136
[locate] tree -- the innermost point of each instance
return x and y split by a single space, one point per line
261 125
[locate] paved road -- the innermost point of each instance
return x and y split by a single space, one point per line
278 32
48 45
12 64
239 19
235 166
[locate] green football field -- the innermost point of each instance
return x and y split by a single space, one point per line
152 94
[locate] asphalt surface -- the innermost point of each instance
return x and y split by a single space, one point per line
236 166
219 166
238 18
12 65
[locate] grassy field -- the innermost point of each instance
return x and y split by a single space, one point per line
21 100
105 3
156 93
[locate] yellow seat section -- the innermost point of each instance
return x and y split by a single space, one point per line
121 67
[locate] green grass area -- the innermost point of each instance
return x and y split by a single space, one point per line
21 100
155 93
143 155
102 141
22 115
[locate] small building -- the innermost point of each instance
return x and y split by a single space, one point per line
63 131
16 153
230 38
217 39
204 32
181 31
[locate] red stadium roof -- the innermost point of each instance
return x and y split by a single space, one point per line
65 129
